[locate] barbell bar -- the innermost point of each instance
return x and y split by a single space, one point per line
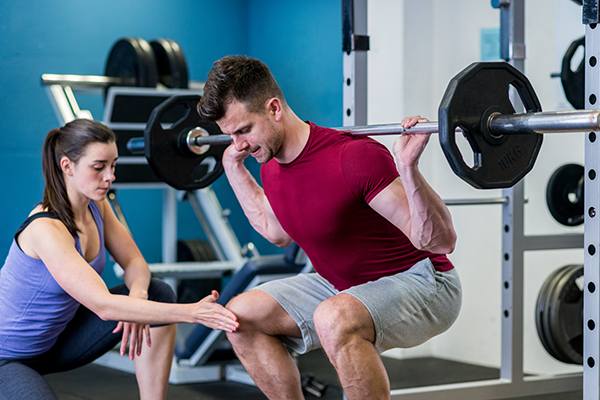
499 125
478 103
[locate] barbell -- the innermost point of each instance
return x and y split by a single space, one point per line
477 104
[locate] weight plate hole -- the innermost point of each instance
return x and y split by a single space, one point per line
465 148
515 98
577 58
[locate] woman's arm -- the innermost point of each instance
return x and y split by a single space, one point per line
52 243
122 247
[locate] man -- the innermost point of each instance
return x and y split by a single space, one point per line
374 232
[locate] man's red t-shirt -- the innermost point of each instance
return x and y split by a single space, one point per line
322 201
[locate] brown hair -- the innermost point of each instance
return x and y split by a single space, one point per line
69 141
240 78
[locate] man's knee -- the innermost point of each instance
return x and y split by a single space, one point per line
342 318
259 312
250 306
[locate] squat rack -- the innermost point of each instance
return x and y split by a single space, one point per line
512 381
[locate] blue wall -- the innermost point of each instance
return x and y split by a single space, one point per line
299 40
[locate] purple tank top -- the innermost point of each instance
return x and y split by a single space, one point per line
34 309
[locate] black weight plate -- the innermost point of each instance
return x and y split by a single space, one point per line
193 290
181 169
133 60
471 96
541 314
170 60
565 194
542 323
573 81
194 250
551 299
565 316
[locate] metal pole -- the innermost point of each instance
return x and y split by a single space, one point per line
591 268
85 80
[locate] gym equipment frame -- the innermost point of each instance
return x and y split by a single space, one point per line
512 381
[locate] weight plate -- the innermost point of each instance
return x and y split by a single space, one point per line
541 314
170 60
194 250
573 81
565 315
549 306
132 59
166 149
479 90
565 194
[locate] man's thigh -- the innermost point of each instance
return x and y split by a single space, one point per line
411 307
299 296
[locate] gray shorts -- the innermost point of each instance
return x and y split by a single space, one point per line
408 308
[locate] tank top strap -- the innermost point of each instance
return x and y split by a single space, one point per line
31 218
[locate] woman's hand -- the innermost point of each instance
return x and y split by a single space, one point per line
207 312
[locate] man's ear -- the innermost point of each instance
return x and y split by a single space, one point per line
274 108
66 166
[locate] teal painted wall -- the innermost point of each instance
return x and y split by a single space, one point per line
299 40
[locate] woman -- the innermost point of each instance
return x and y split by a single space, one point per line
56 313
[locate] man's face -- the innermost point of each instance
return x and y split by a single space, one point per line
254 133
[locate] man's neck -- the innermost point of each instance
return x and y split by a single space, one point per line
296 133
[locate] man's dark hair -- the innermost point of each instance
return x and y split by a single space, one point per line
240 78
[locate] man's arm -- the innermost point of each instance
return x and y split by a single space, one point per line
252 198
411 204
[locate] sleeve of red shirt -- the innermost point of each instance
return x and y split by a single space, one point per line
368 167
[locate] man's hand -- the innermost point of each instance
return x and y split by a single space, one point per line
233 157
409 147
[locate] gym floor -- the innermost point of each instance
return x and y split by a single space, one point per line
94 382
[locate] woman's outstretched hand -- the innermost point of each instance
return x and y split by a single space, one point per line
208 312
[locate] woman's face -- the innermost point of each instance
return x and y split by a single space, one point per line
94 173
